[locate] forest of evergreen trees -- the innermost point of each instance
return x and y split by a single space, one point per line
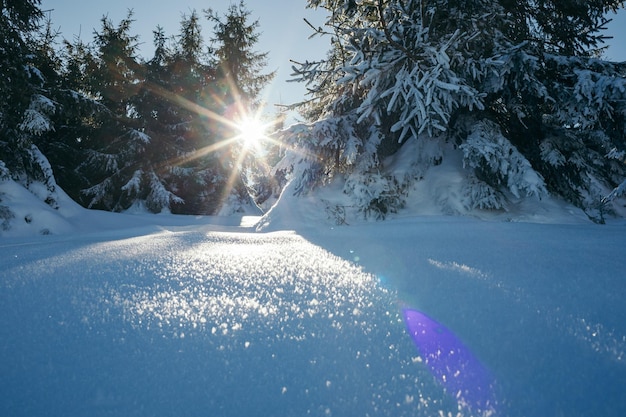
517 89
115 130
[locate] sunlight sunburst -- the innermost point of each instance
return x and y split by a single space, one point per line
252 130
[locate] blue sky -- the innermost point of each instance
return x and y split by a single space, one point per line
283 32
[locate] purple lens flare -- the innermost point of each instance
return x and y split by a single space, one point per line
451 363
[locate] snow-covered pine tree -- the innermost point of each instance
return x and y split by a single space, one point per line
77 114
27 108
563 106
396 70
516 87
114 170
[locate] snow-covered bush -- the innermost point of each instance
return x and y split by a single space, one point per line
498 163
617 192
133 186
479 194
375 195
143 189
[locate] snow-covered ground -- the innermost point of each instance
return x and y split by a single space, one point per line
107 314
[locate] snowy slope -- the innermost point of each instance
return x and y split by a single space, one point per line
144 315
32 217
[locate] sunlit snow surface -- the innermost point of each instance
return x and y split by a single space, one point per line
196 323
210 321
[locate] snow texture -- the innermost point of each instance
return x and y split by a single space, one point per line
290 314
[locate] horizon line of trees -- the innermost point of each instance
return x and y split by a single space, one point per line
114 130
514 92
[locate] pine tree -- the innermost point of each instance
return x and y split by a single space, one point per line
570 101
239 63
158 137
174 105
113 143
27 71
128 133
516 87
67 86
240 83
19 81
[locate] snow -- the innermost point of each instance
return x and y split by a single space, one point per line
293 314
36 118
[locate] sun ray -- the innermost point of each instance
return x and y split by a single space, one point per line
249 131
190 105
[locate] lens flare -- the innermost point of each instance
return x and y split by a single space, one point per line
451 362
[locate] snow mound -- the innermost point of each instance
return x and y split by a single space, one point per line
440 190
443 191
24 214
292 211
29 215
